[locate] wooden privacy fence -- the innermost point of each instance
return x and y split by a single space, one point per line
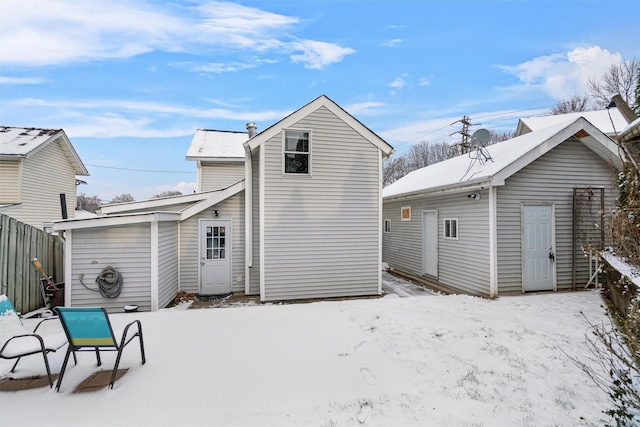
19 244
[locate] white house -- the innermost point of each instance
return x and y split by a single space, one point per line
291 212
38 169
506 218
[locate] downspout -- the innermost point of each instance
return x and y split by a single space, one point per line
155 263
248 218
68 267
380 215
493 242
179 256
261 179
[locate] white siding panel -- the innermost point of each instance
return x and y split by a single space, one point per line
167 263
45 175
551 179
125 248
232 208
321 231
463 264
218 175
9 179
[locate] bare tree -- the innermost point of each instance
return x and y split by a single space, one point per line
500 136
88 203
636 107
166 194
620 79
574 104
123 198
420 155
393 170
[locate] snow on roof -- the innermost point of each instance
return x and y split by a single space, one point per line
217 144
469 169
599 119
20 141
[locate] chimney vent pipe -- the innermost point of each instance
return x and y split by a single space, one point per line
251 128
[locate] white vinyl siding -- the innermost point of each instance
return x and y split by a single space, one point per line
45 175
321 233
125 248
549 179
219 175
463 264
231 208
167 262
10 179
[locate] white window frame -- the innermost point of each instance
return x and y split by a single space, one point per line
387 226
285 152
402 209
446 224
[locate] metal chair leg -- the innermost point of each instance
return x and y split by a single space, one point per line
64 367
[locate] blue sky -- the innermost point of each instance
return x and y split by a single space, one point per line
131 81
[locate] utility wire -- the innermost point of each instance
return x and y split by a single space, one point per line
475 118
135 170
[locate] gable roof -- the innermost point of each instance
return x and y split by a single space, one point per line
610 121
22 143
217 145
507 158
321 101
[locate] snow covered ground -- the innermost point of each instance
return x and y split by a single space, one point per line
408 359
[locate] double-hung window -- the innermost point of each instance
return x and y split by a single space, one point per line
297 152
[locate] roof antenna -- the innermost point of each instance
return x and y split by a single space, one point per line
480 153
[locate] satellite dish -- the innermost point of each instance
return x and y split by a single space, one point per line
483 137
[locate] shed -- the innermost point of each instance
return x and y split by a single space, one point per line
510 217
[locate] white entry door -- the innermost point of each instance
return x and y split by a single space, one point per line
215 257
430 243
538 257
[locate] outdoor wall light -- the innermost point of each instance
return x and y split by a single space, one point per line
216 213
474 196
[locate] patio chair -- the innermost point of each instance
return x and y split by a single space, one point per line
17 342
89 329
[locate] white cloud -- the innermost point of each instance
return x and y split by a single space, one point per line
563 75
36 33
398 82
125 118
392 43
21 80
213 67
317 55
424 82
364 108
184 187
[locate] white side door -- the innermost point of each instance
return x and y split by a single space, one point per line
430 243
215 256
538 248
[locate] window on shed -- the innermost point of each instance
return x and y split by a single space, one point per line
297 151
387 226
451 228
405 213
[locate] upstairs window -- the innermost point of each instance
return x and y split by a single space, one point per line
297 152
